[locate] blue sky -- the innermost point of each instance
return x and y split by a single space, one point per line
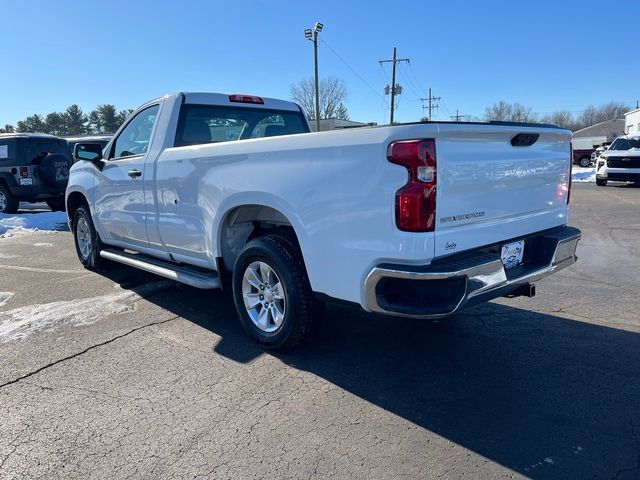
545 54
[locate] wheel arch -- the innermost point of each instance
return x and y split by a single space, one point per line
243 222
74 201
7 180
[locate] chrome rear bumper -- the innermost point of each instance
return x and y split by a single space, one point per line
468 279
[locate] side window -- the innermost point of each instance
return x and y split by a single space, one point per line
7 151
135 138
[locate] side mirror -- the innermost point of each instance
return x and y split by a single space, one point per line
88 152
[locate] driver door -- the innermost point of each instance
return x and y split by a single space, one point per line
120 190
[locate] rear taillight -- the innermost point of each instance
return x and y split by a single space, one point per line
246 99
24 171
416 201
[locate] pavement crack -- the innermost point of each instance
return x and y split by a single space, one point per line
636 438
82 352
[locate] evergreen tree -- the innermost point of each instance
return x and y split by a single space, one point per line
54 124
75 120
32 124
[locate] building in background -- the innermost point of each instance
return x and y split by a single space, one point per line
337 124
632 121
586 140
600 132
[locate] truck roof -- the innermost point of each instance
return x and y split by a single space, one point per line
90 136
27 135
203 98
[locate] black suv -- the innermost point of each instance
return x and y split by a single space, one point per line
34 167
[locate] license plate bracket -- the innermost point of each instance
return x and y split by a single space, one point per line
26 181
512 254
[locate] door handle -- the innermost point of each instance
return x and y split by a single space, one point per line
134 173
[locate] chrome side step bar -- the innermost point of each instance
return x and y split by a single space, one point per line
179 273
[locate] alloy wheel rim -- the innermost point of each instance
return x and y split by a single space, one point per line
83 238
264 296
3 201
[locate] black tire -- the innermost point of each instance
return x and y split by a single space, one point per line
57 204
8 204
91 259
601 182
285 259
584 161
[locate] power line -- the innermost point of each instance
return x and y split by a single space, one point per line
417 80
353 70
432 105
394 87
457 116
413 87
442 104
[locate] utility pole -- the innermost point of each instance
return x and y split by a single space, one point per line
457 116
312 35
432 103
395 89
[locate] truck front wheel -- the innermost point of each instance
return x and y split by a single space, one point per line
87 241
272 293
601 182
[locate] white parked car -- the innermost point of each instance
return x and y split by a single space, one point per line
621 161
415 220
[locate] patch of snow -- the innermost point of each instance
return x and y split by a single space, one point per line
24 321
5 297
11 225
582 175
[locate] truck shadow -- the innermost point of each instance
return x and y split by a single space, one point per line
540 394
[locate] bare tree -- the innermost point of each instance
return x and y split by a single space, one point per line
523 114
515 112
508 112
562 118
612 110
589 117
333 93
501 112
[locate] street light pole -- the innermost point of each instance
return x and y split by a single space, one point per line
312 35
315 59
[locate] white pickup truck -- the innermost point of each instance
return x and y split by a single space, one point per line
415 220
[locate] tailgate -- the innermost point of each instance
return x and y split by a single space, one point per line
489 191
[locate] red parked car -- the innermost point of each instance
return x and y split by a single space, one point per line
582 156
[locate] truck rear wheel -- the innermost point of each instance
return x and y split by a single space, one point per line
8 204
86 239
272 293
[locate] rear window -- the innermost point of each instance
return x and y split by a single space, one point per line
200 124
51 146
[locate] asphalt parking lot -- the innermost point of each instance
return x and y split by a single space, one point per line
125 375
